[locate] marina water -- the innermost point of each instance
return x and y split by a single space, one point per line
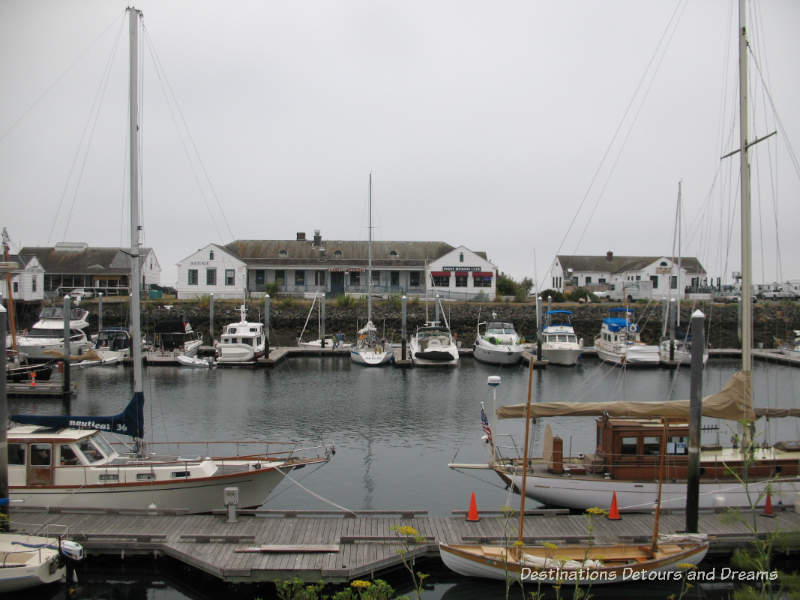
395 430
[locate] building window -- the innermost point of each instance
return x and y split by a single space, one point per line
441 280
413 279
283 253
663 264
211 255
588 280
230 277
601 280
393 253
280 277
260 276
461 280
211 276
192 276
481 281
337 253
461 257
376 278
355 279
654 280
638 278
299 277
319 278
673 282
33 283
15 287
395 278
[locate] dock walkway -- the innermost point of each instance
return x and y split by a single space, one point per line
336 546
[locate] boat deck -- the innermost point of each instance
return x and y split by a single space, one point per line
330 546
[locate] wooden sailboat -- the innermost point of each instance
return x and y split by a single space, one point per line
574 564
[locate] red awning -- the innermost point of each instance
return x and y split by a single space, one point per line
462 273
440 273
482 274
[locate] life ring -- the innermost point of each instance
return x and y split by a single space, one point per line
632 327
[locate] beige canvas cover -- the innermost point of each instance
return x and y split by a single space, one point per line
729 403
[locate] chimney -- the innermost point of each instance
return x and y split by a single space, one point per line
301 236
317 238
609 256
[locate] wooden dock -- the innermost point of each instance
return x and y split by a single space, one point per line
335 546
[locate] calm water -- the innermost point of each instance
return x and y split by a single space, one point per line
395 430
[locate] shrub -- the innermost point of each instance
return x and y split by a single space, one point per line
554 294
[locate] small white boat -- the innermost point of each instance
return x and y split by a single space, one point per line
433 345
331 343
369 350
242 342
620 343
195 361
792 349
498 344
28 561
560 345
681 353
46 337
113 343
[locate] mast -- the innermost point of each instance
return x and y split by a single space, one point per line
11 313
525 452
136 346
747 259
678 217
369 255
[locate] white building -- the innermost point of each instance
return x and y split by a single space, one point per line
335 267
629 277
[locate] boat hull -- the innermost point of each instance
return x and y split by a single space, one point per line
634 355
681 355
371 358
36 566
477 561
640 496
50 348
434 358
497 354
194 495
566 357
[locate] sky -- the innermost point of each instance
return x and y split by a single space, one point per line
524 129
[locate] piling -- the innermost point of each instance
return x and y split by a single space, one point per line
695 421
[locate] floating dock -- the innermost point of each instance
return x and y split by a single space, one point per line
335 547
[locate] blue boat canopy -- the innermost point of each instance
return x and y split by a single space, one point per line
617 324
621 310
559 312
129 422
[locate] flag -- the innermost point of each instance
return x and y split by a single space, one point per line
485 424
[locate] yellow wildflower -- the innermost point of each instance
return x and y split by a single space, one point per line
360 583
550 546
406 530
596 511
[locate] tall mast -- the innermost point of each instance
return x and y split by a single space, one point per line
369 255
747 260
678 285
12 319
136 326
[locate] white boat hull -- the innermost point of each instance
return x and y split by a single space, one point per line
371 358
682 355
50 348
632 355
194 495
238 353
567 357
640 496
472 564
35 566
497 354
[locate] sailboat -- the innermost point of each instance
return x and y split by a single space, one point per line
64 460
322 341
574 564
370 350
433 344
624 461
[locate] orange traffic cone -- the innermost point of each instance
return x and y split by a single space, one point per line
768 507
33 378
472 515
613 512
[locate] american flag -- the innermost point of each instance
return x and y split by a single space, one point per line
485 424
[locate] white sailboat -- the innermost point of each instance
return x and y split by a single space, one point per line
370 349
64 460
622 462
321 342
432 344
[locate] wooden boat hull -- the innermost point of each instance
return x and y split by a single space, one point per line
640 496
490 562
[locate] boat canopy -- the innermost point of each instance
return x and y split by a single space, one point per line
129 422
618 324
621 310
729 403
559 312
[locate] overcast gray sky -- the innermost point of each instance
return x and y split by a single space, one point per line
488 124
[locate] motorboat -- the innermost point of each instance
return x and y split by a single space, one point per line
172 338
792 348
620 341
560 345
113 343
241 342
433 345
498 343
45 340
29 561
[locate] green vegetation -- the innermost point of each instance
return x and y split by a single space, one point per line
507 286
554 294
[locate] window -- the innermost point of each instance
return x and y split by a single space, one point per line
601 280
15 287
673 282
663 263
393 253
338 253
629 445
376 278
461 280
299 277
211 255
211 276
16 454
33 283
652 445
654 280
192 276
280 277
461 257
481 281
230 277
441 280
91 453
355 278
677 444
40 455
260 278
413 279
588 280
283 253
395 278
68 456
319 277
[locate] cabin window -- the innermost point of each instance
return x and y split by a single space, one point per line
181 474
67 456
89 450
16 454
145 476
230 277
652 445
211 276
40 455
299 277
413 279
629 445
192 276
108 477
